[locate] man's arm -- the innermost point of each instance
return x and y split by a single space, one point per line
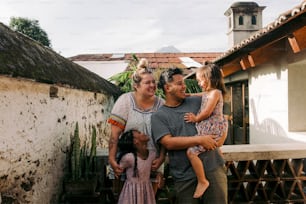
178 143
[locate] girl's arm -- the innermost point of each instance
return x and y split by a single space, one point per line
159 160
195 94
127 161
212 100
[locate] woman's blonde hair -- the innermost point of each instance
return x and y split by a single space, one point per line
142 68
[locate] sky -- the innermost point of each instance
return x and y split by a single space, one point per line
130 26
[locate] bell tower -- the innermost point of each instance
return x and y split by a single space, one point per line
244 19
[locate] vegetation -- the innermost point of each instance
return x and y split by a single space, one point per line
82 165
30 28
192 86
124 79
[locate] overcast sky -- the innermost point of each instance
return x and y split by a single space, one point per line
125 26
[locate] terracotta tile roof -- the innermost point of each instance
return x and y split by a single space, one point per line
156 60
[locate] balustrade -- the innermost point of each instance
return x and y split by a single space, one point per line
266 173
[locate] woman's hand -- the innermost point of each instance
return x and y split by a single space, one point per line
116 168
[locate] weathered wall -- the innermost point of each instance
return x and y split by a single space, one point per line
35 130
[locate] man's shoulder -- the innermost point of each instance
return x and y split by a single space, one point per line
194 99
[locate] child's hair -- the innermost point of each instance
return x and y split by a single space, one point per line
212 72
126 145
142 68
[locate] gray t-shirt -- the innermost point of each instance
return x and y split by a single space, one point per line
168 120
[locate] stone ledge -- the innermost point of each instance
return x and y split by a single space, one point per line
264 151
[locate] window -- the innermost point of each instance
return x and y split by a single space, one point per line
240 20
254 21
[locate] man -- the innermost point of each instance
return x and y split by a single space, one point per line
170 130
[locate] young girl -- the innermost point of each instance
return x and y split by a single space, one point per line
209 120
136 159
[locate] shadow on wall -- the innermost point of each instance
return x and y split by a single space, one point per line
268 131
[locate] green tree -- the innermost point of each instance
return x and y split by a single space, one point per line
192 86
30 28
124 79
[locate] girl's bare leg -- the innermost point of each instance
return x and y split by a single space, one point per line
198 168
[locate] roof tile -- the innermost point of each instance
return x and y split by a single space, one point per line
156 60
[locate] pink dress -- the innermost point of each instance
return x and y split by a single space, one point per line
215 124
137 190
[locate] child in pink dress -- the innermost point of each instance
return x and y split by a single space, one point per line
209 120
136 159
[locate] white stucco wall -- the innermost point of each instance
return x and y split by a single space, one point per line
104 69
268 104
272 103
35 130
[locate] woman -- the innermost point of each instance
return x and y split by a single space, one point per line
134 110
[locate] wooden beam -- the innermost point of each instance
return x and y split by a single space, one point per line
247 62
251 60
294 44
243 65
300 38
230 68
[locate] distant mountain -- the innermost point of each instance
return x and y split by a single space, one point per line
168 49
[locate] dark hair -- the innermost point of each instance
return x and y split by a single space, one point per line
167 76
126 145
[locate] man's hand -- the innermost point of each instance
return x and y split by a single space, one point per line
208 141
